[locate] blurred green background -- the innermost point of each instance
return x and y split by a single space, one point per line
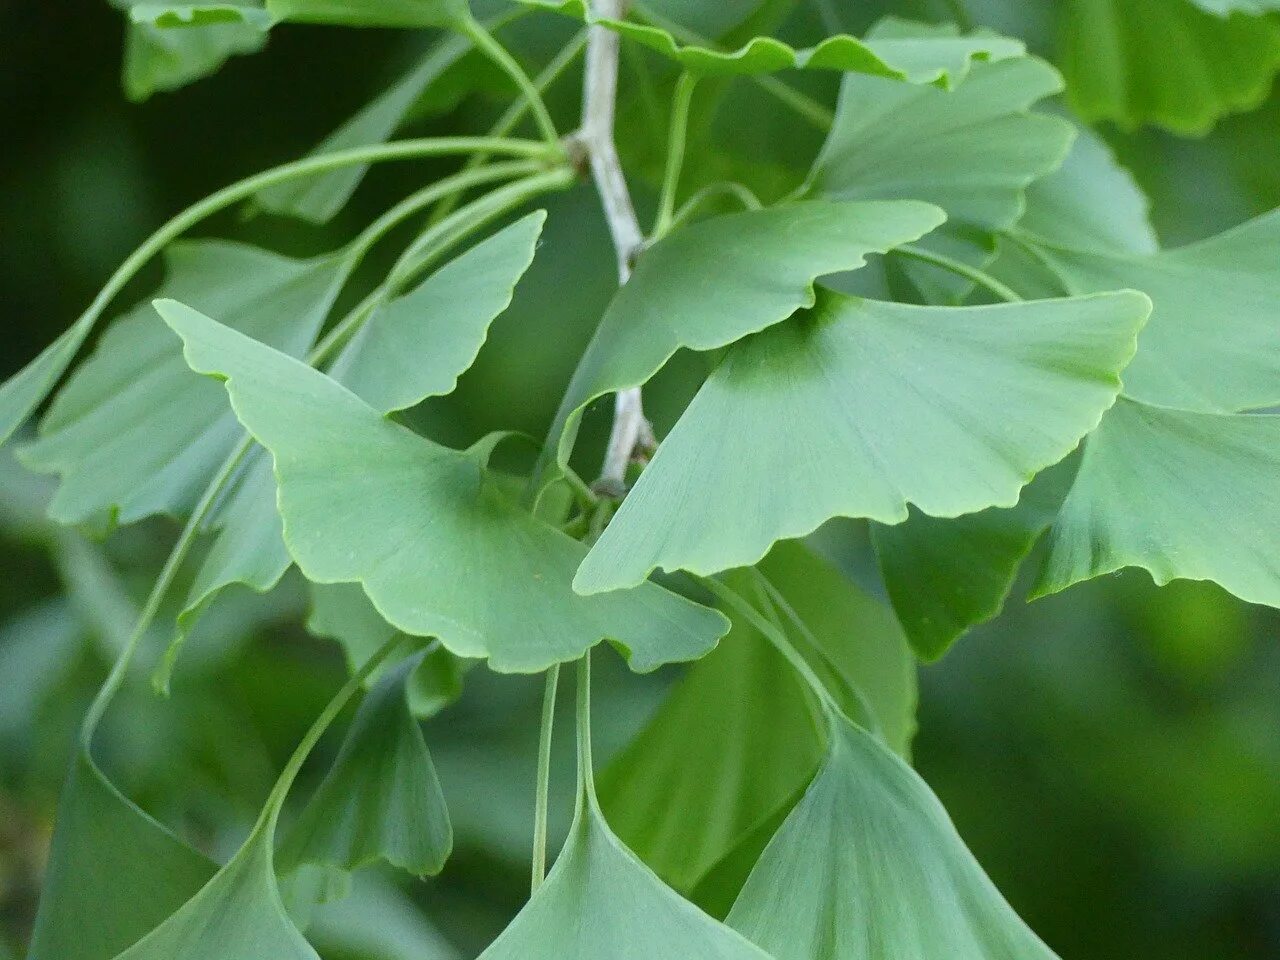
1112 755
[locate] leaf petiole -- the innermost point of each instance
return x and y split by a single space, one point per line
487 44
542 796
677 141
961 269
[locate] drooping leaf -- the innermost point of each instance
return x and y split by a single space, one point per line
168 46
1152 61
868 865
412 347
27 389
945 575
341 612
114 873
438 549
134 432
1213 343
972 150
858 408
1181 494
914 53
709 284
320 197
381 800
372 13
736 737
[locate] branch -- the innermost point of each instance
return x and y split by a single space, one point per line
595 139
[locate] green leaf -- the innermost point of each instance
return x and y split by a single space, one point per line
114 873
26 389
237 915
896 49
372 13
868 865
320 197
857 409
972 150
706 285
438 549
1136 62
1225 7
944 576
417 345
1213 343
168 46
736 739
381 800
135 433
1181 494
341 612
410 348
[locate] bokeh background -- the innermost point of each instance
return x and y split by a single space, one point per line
1112 755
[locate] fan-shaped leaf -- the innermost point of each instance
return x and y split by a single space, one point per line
372 13
381 799
868 865
736 738
1213 343
1152 61
114 873
423 528
917 54
718 280
972 150
134 432
858 408
1181 494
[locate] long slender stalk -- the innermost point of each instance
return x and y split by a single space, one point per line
960 269
496 52
677 140
541 802
586 767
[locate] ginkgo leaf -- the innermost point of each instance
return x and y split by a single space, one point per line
27 389
372 13
1181 494
341 612
971 150
926 54
114 873
319 198
709 284
858 408
1213 343
412 347
168 46
1151 61
134 432
381 800
1225 7
736 737
868 865
417 345
438 549
945 575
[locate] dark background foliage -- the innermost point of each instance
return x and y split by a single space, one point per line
1112 755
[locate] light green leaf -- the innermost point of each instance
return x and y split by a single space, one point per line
1181 494
26 389
1213 343
413 347
1225 7
417 345
436 546
868 865
320 197
341 612
857 409
1154 61
381 799
372 13
168 46
709 284
896 49
944 576
135 433
972 150
378 921
114 873
736 738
